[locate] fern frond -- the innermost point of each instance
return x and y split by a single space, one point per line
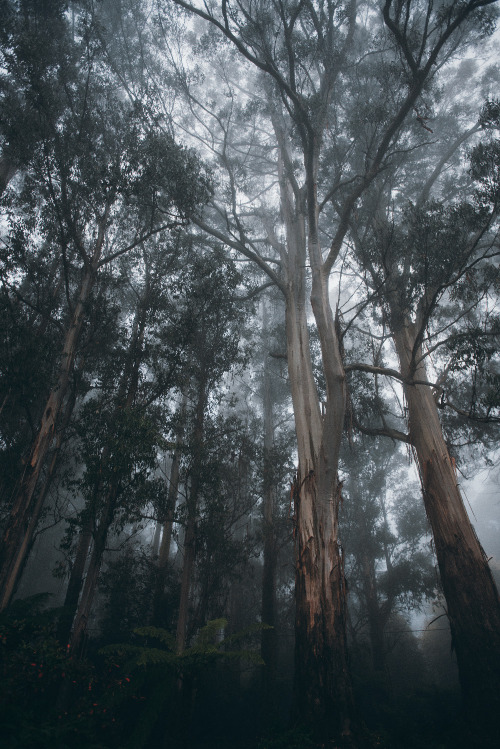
209 632
157 633
155 656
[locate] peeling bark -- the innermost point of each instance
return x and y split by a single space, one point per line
322 689
322 681
323 695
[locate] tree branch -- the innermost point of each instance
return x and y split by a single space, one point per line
243 249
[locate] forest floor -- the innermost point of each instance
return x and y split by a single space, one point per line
111 704
426 719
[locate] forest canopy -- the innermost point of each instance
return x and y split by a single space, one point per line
249 330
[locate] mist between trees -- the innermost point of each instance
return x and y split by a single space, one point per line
249 334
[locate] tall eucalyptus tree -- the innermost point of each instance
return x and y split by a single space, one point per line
435 269
306 56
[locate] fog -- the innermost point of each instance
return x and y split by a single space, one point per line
249 374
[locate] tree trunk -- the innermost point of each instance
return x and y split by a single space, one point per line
322 689
155 545
269 637
29 536
374 614
75 582
473 604
185 683
166 539
25 511
92 577
323 696
127 392
192 509
187 573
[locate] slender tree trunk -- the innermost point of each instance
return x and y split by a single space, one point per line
269 639
29 537
187 573
166 539
375 616
126 395
39 327
25 511
185 683
75 581
472 600
92 577
155 545
192 509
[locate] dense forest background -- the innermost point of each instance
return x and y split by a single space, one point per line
249 373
